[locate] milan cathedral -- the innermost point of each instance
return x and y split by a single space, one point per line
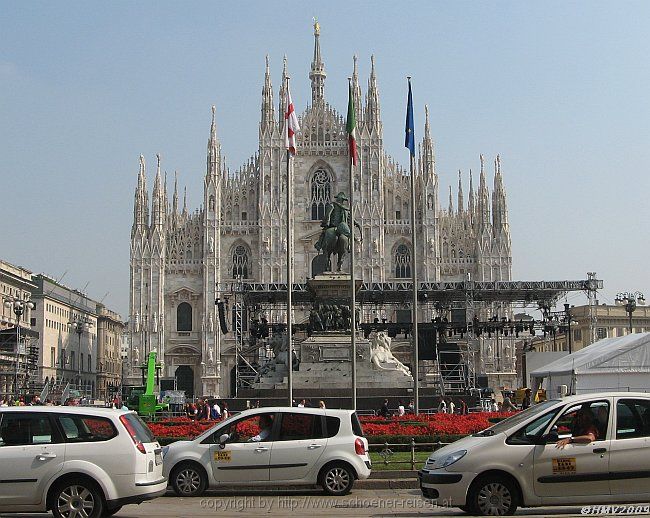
181 259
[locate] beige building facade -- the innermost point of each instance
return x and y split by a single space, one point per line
110 331
16 284
66 320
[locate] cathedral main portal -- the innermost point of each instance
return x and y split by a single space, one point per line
184 376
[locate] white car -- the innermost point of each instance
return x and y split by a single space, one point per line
518 462
76 461
272 446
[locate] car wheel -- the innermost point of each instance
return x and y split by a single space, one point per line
111 512
77 498
493 496
188 480
337 479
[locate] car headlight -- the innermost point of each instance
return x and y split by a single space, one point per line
165 449
453 457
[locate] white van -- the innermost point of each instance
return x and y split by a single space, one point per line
518 463
67 459
272 446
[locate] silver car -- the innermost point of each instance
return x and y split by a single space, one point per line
586 449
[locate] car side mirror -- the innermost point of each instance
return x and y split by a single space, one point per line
223 439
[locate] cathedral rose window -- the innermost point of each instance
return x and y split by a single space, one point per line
240 262
320 194
402 262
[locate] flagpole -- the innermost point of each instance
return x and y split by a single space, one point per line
353 287
289 187
415 370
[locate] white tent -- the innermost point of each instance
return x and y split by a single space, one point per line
621 363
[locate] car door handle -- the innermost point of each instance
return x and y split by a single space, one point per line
260 449
44 456
314 446
600 450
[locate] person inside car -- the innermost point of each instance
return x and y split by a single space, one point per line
583 430
266 423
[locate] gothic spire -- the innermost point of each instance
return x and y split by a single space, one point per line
356 91
175 198
317 74
499 206
283 94
185 201
471 203
214 149
158 199
461 200
428 157
141 202
483 199
451 201
373 115
268 115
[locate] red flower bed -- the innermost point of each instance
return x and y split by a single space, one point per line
179 428
407 425
430 424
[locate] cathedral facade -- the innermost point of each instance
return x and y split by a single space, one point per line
180 261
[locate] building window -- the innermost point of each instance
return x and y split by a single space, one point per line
73 363
81 361
184 317
52 356
402 262
601 332
90 363
398 215
240 262
320 194
244 216
577 335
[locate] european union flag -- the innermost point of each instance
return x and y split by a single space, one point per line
409 141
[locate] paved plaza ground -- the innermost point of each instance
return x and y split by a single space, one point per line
398 503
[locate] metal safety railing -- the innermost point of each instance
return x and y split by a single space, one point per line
388 450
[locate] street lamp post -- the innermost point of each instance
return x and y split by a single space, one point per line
79 324
567 316
18 306
630 300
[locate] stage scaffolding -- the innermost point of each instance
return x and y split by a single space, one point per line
486 304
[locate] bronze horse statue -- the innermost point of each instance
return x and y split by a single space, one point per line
336 236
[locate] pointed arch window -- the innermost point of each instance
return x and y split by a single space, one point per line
320 194
184 317
402 262
240 262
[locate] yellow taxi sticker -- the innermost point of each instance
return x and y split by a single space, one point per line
563 465
222 456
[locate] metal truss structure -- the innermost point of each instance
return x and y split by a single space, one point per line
472 296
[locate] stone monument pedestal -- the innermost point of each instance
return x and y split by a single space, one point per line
326 356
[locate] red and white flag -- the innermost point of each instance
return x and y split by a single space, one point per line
292 126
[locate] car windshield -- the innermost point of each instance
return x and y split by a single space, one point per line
518 418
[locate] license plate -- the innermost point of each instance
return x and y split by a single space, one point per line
159 459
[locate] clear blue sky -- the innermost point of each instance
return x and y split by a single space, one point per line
559 89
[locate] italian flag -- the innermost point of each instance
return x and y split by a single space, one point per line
292 126
351 128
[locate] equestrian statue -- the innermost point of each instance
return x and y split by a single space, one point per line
336 237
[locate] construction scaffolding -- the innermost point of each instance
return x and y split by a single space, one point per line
484 304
